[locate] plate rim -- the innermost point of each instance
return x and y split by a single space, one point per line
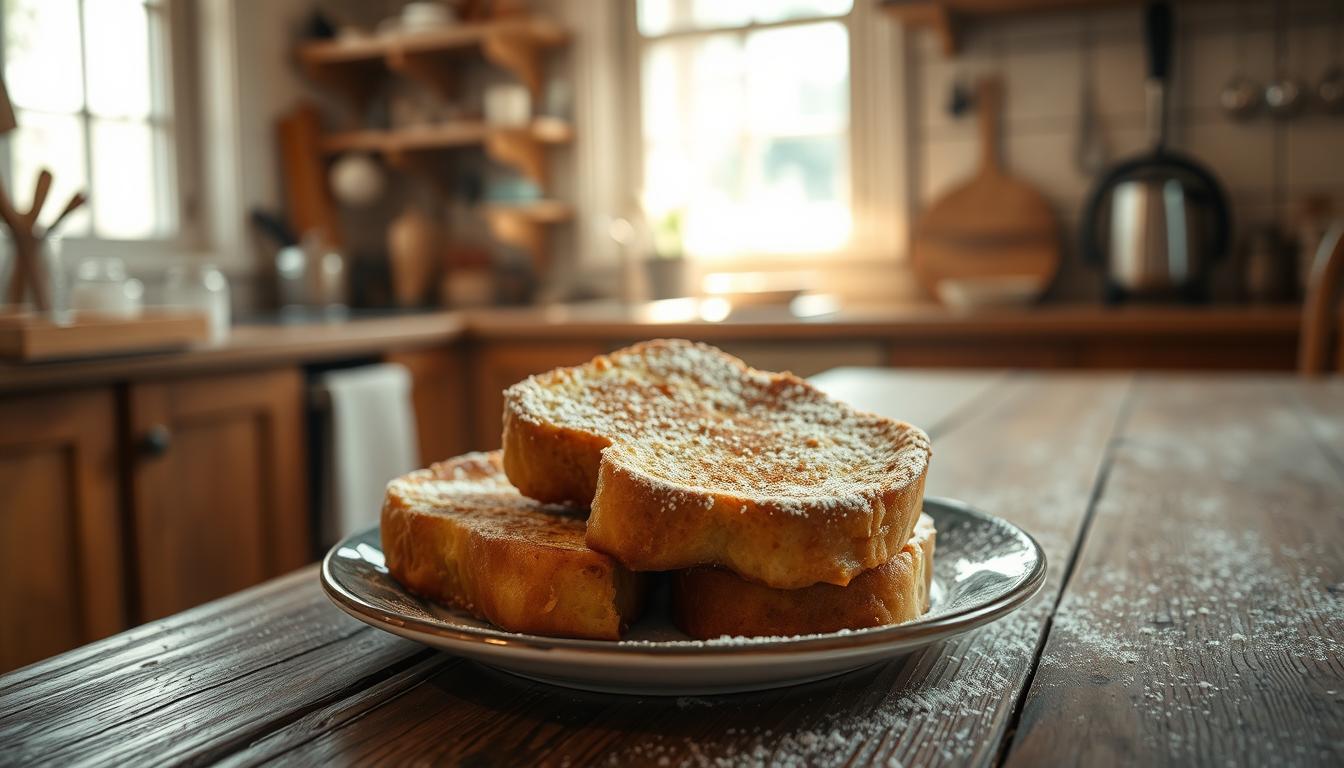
917 631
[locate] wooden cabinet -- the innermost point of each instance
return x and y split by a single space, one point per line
61 572
501 364
218 485
439 396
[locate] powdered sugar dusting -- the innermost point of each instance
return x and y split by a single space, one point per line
1230 610
473 492
694 418
936 706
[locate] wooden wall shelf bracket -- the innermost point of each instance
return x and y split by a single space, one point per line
525 225
355 80
428 67
518 149
516 54
522 148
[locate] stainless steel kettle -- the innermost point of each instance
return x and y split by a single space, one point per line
1159 221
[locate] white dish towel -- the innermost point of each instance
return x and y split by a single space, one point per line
371 440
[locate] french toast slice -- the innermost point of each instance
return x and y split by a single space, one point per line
710 602
458 533
690 457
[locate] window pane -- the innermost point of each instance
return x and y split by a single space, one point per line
116 39
792 93
42 63
661 89
694 87
658 17
694 118
715 90
783 10
795 200
748 137
795 171
54 142
125 180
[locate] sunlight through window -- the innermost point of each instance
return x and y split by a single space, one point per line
746 123
90 86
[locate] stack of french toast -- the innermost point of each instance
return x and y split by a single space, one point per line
775 509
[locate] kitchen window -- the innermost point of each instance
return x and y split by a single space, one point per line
745 124
91 83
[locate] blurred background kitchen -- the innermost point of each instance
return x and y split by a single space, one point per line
260 256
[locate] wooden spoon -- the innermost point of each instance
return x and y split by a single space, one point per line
76 200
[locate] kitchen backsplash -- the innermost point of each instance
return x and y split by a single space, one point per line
1268 167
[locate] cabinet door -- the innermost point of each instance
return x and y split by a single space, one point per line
219 485
61 579
500 365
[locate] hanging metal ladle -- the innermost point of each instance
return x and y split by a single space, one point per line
1285 95
1242 97
1330 88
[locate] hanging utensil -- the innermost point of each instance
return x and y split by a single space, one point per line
1090 153
1159 221
76 200
1284 96
1242 97
1330 88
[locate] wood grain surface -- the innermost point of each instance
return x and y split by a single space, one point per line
1204 623
220 507
61 537
1191 615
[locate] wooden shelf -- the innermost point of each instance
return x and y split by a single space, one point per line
524 225
946 17
522 148
355 66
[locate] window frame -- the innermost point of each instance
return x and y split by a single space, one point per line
174 70
880 188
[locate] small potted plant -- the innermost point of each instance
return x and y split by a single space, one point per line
667 264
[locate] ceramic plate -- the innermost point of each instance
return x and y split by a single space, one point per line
984 567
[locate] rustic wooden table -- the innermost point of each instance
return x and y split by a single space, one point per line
1194 614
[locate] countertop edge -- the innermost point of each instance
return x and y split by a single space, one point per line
253 346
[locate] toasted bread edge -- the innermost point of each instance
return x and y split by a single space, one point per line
711 602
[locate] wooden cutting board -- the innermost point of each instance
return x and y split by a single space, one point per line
308 201
990 226
26 337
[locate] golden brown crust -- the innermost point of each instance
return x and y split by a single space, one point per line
552 463
691 458
712 602
458 533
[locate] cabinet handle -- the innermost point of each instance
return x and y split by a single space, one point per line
156 441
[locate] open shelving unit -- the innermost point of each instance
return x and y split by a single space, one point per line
524 225
354 68
520 147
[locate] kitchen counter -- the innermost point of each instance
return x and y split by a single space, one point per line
680 317
1179 623
1267 337
248 345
